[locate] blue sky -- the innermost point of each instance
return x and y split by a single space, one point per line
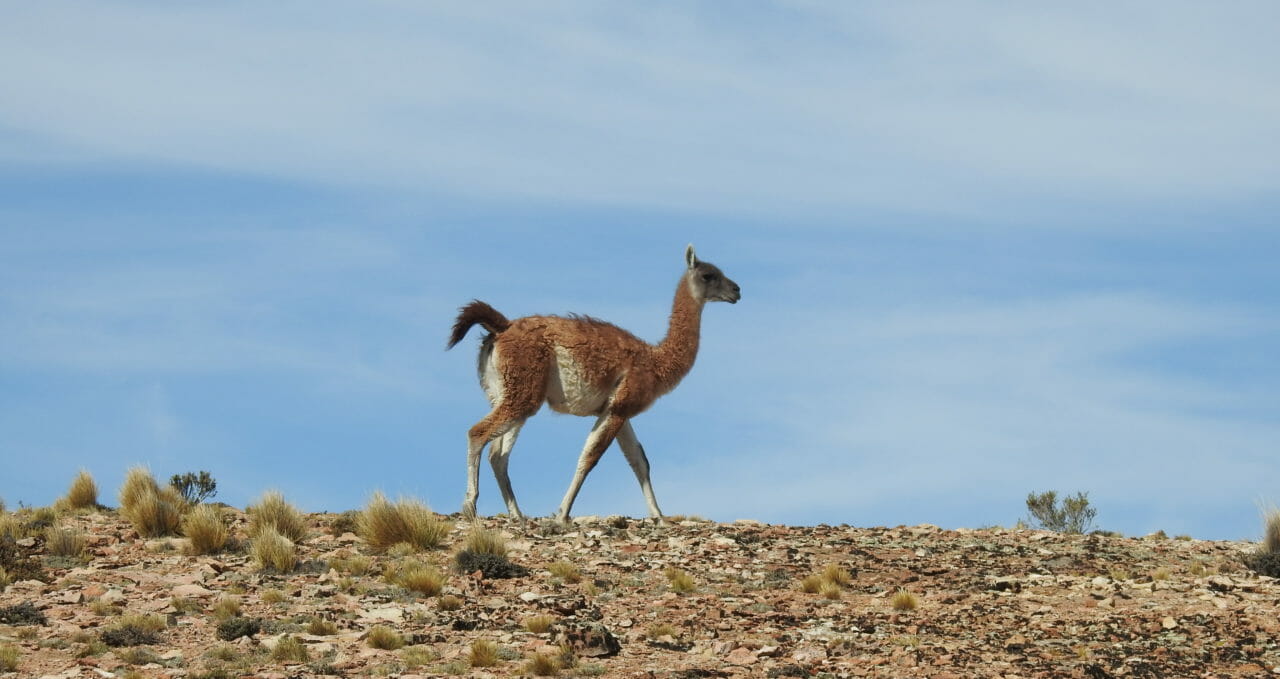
984 250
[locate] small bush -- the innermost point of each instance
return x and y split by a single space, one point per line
273 596
63 542
133 655
134 630
83 493
24 613
811 584
353 565
194 487
383 524
273 551
290 649
538 624
830 590
1074 516
346 522
491 566
273 512
17 562
566 572
484 653
385 638
449 602
235 627
904 601
9 657
542 665
205 530
483 541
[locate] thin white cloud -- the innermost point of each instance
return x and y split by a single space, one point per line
804 107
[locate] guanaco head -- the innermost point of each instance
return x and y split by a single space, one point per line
707 282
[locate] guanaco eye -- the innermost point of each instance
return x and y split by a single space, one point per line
708 277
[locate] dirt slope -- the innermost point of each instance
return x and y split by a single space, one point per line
991 603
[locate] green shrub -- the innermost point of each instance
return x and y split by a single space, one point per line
194 487
1073 516
235 627
492 566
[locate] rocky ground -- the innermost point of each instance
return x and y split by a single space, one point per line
988 603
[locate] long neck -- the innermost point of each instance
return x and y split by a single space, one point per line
674 355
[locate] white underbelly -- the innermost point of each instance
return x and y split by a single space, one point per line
569 392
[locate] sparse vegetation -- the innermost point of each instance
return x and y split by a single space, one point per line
1266 559
1161 574
273 596
321 627
1073 516
662 629
538 624
352 565
346 522
83 493
492 566
830 590
273 551
481 541
9 657
235 627
194 487
681 582
417 656
449 602
566 571
542 665
483 653
64 543
24 613
153 511
420 578
290 649
385 638
903 600
837 575
811 584
226 607
205 530
273 512
134 630
383 524
4 578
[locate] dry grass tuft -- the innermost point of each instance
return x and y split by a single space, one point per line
811 584
681 582
481 541
566 572
662 629
542 665
1271 534
63 542
273 596
538 624
449 602
205 530
290 649
384 638
417 656
483 653
1160 574
904 601
383 524
273 551
153 511
272 511
83 493
227 607
830 590
9 657
321 627
837 575
4 578
418 577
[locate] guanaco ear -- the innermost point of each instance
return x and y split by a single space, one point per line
689 257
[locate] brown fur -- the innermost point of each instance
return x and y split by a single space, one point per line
625 372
